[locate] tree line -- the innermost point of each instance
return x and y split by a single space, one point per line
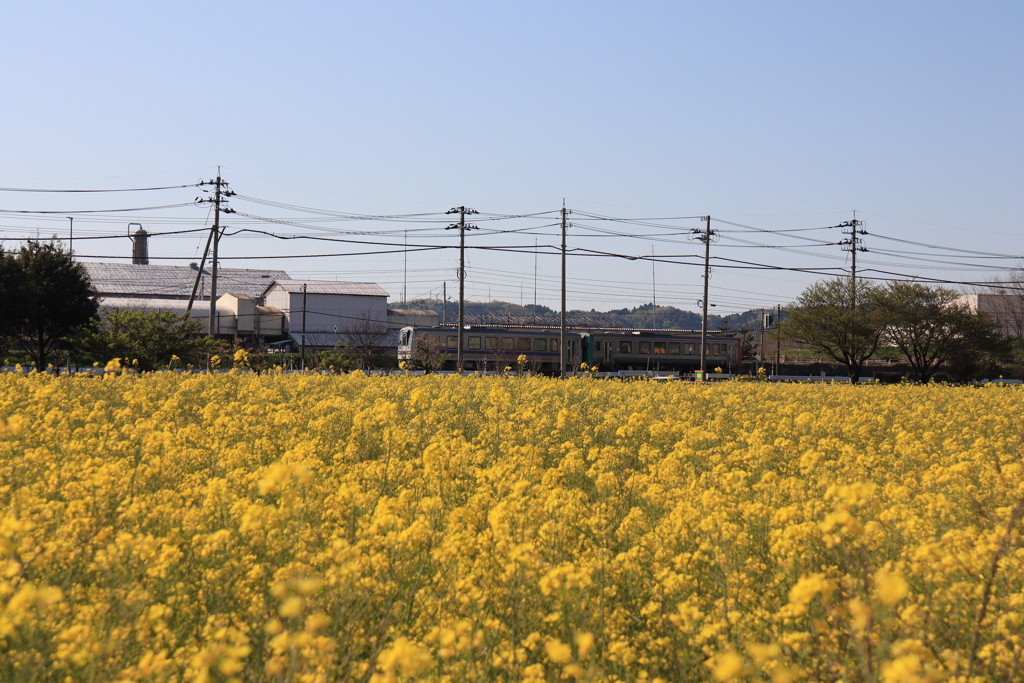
848 321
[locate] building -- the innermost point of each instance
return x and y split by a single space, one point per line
1006 308
148 287
266 305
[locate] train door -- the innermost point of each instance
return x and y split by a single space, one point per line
607 352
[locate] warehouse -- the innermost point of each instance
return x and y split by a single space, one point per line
265 305
149 287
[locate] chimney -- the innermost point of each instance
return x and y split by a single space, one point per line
140 247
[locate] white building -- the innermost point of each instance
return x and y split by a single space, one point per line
1005 307
331 313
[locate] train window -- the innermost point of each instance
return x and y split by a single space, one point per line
508 343
625 347
645 347
553 346
673 348
691 349
453 342
490 343
523 344
540 344
473 343
715 350
659 347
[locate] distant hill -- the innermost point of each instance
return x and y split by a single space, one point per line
647 316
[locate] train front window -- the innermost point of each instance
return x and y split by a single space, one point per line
659 347
523 344
625 347
453 342
404 339
673 348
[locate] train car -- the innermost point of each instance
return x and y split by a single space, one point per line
495 348
612 350
489 348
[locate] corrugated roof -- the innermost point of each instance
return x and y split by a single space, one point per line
330 287
175 282
413 311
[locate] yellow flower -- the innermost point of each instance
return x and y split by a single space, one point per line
558 652
890 587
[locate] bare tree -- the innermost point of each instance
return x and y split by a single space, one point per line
365 340
429 354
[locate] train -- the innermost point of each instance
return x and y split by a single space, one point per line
487 348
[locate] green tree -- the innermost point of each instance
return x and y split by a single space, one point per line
9 293
47 299
839 320
933 327
151 337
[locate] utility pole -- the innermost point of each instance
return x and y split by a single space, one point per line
220 193
760 346
561 319
71 248
853 244
778 339
444 305
302 348
462 227
705 237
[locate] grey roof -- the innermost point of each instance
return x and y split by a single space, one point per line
175 282
413 311
329 287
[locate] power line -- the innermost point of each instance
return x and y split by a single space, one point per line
123 189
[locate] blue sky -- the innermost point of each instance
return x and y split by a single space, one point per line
777 116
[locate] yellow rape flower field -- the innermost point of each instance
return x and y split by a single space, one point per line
236 527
